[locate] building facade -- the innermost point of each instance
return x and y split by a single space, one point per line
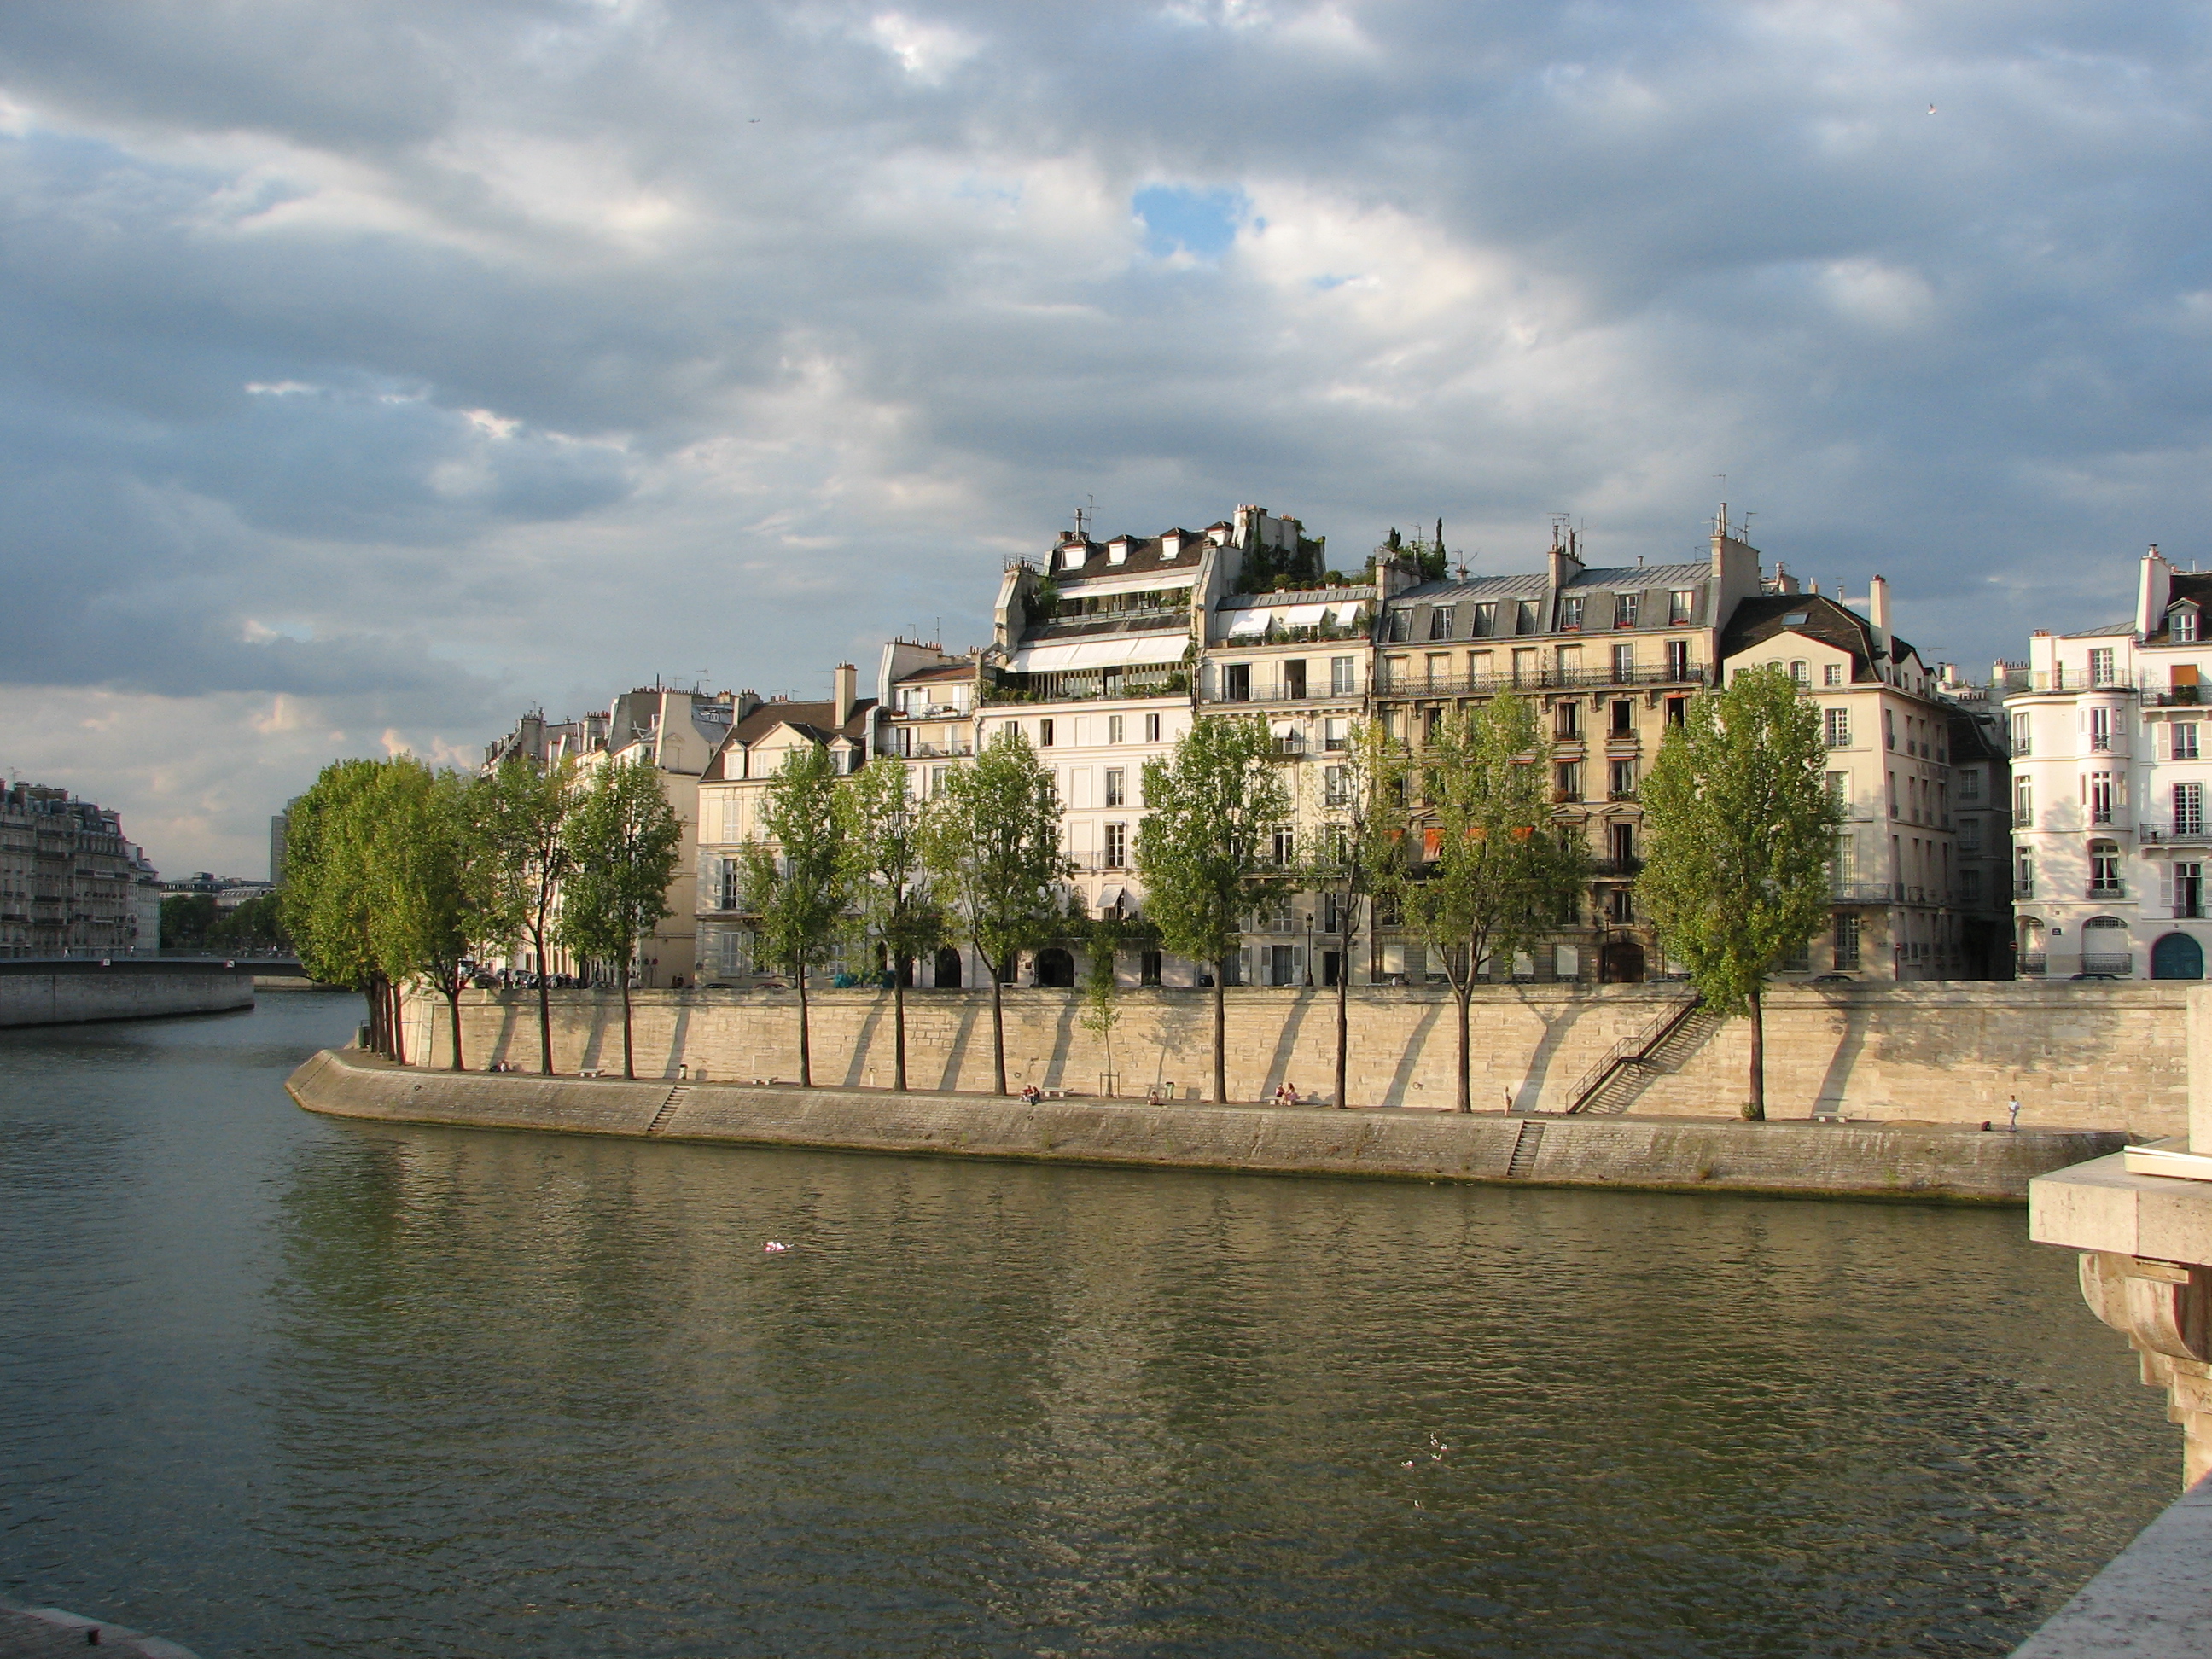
70 883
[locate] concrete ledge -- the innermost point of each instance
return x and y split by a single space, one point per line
2153 1600
79 993
2102 1205
1674 1154
29 1631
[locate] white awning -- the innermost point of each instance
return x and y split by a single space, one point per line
1346 615
1121 651
1249 621
1110 898
1304 616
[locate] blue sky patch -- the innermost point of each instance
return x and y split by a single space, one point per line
1200 223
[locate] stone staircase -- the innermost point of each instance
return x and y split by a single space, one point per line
1525 1144
675 1097
1611 1087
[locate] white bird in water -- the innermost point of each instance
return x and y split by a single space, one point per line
774 1247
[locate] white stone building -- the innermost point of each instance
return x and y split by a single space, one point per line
2111 765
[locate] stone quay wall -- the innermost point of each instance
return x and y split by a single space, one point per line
1840 1161
2090 1055
74 993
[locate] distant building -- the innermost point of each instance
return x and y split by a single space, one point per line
279 826
69 881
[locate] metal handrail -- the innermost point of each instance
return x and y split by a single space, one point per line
1631 1048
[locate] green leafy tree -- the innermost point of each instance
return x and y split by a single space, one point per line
333 888
795 880
1204 850
1741 831
186 919
521 819
1102 992
991 842
623 840
1484 872
256 925
1345 852
889 880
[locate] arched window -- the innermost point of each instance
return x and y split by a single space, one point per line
1799 674
2105 948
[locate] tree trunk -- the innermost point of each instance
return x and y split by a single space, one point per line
806 1037
373 995
1757 1111
398 1023
1465 992
629 1064
1220 1031
997 1026
898 1027
544 1006
454 1008
1343 1014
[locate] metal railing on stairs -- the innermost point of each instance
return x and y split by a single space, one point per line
1631 1051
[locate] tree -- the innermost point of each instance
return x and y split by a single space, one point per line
1742 831
622 840
186 919
795 880
1211 808
886 875
1483 872
326 898
1102 1003
991 842
521 817
1345 855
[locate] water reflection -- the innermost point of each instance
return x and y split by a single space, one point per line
482 1392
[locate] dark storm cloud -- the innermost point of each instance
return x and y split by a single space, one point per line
362 351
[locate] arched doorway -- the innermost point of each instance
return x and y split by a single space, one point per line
1055 969
2177 956
947 976
2105 948
1621 963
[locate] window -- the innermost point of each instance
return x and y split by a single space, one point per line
1678 710
1438 667
2184 625
1840 791
1889 729
1284 852
1343 677
1846 946
1400 628
1151 728
1800 673
733 828
1682 606
1624 664
1622 721
2185 740
2023 804
1832 673
1440 622
1836 724
1336 735
1486 621
1622 785
2188 808
937 777
1524 617
1045 734
2188 889
2104 870
2100 798
1620 905
2100 666
1894 808
1524 667
1624 609
2100 730
1116 789
1112 728
1622 839
1571 615
1678 660
1294 680
1237 682
1568 719
1336 786
1970 835
2020 735
1114 850
1970 887
1970 783
2023 872
1567 781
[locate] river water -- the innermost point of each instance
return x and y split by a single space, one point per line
273 1384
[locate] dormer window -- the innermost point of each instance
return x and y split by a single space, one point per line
1624 609
2182 621
1117 550
1571 614
1071 557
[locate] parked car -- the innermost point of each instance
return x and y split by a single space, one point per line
1832 979
2096 975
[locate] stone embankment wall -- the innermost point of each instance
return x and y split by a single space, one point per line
72 993
2082 1055
1856 1160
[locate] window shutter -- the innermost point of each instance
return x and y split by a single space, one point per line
2166 886
1297 964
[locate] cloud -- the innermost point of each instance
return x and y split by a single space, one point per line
399 366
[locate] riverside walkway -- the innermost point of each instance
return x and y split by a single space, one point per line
35 1632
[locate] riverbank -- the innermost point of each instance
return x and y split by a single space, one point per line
33 993
1853 1160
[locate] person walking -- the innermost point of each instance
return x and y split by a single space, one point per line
2012 1112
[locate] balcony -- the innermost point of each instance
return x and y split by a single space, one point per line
1281 692
1862 892
1088 685
1535 679
2105 890
906 749
2034 962
2107 963
2187 833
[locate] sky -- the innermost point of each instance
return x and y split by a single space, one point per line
374 373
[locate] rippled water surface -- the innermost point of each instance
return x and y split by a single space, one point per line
278 1385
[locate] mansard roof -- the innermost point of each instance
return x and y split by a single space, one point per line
1144 556
816 720
1816 617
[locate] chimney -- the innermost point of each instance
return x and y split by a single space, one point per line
2153 590
847 682
1565 559
1878 612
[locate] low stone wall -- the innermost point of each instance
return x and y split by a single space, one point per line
1860 1161
72 993
2090 1055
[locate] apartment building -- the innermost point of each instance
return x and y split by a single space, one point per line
681 732
70 883
1610 654
750 752
2109 776
1891 732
